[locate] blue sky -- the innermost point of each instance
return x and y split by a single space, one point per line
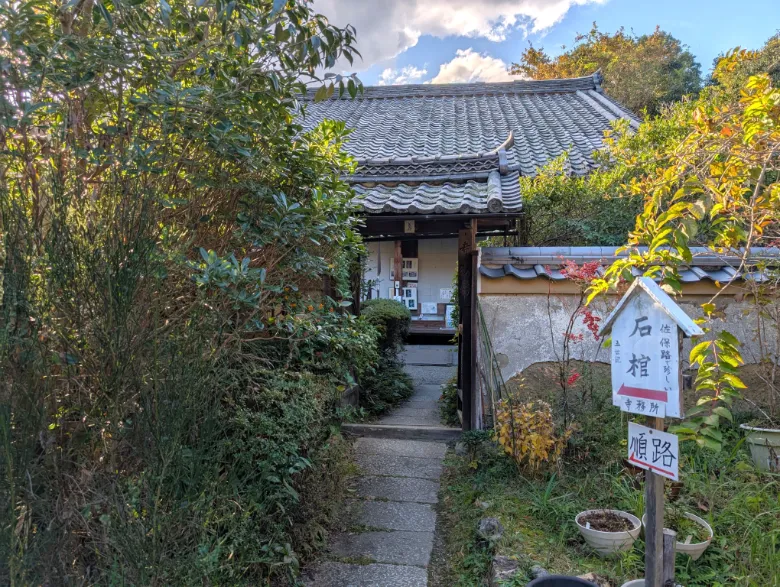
414 41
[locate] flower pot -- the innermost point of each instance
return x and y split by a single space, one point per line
606 543
559 581
693 549
635 583
764 446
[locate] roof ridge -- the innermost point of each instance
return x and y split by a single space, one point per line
518 86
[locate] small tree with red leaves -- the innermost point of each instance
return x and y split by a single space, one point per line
580 315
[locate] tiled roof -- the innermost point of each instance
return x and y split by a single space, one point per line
533 262
496 194
461 133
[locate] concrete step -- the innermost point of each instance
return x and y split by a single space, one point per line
425 433
335 574
398 548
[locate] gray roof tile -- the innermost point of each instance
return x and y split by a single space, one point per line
430 137
494 194
533 262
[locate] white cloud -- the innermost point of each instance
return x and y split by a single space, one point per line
386 28
470 66
407 75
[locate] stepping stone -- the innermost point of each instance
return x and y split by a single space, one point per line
397 489
401 548
430 355
430 375
415 413
395 466
393 515
409 409
403 448
332 574
427 404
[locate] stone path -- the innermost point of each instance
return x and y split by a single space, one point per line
392 514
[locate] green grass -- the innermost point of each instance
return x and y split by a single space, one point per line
538 513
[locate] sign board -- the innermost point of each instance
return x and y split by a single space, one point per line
645 359
410 297
408 270
409 227
449 316
429 308
654 451
445 294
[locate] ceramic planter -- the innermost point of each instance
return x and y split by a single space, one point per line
693 549
764 446
606 543
560 581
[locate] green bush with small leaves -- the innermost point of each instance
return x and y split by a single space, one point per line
393 320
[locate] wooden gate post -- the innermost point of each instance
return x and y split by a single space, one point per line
466 293
654 508
466 244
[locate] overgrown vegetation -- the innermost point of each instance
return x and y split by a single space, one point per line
387 384
716 182
448 402
707 173
170 367
566 210
538 512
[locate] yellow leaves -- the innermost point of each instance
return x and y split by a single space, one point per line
527 433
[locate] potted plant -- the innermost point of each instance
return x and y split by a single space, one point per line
608 531
694 534
764 446
763 395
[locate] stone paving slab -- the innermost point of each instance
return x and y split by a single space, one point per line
424 404
397 466
393 515
432 375
400 547
413 412
397 489
403 448
413 417
443 355
332 574
427 391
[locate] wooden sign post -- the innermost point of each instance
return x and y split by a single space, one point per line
647 327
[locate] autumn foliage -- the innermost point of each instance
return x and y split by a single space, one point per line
643 72
527 433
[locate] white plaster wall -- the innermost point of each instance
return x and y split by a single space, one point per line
520 328
436 264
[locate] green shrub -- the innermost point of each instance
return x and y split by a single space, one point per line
393 320
385 387
448 402
387 384
167 412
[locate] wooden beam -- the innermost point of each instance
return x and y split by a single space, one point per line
476 399
466 293
398 267
443 226
670 543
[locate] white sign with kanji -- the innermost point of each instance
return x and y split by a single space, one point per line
654 450
645 359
